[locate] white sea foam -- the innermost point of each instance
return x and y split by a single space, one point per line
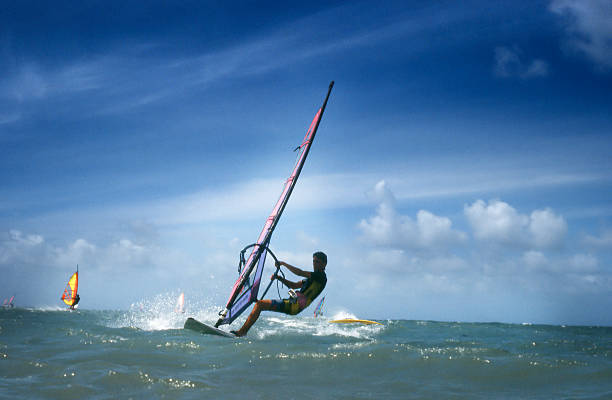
48 308
160 313
320 326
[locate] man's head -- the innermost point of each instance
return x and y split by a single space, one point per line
319 260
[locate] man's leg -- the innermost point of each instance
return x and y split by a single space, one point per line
260 306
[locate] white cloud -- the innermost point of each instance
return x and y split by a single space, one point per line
434 230
110 268
589 29
389 228
537 68
131 80
508 64
34 251
499 222
33 82
28 240
535 259
78 252
546 228
306 240
584 262
603 241
447 265
15 244
560 266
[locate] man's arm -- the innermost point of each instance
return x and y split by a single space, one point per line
289 284
296 270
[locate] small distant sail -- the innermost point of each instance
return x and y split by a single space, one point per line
70 293
10 303
180 304
319 309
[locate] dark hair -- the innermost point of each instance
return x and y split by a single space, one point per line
321 256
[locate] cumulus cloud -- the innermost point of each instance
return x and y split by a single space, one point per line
18 248
546 228
588 27
398 265
78 252
508 64
389 228
499 222
579 263
14 244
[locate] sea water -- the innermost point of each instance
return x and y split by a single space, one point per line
143 353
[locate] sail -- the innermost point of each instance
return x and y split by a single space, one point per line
249 291
71 289
245 290
319 309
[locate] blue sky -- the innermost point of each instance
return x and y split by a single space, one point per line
461 171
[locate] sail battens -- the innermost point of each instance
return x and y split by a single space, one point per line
71 290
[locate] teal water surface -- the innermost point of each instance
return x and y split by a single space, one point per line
89 354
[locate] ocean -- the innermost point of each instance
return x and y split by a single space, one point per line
143 353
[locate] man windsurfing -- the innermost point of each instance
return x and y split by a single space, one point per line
309 289
77 298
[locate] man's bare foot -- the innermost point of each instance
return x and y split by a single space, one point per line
237 333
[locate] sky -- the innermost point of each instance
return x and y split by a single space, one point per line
461 171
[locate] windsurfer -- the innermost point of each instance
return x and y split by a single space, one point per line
309 289
77 298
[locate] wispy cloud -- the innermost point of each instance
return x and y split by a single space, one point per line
33 82
509 64
253 199
9 118
128 78
28 83
588 28
602 241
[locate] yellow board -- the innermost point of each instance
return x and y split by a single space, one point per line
354 321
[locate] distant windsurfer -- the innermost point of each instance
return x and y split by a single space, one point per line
309 289
8 303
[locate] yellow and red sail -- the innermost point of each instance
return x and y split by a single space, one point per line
71 289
